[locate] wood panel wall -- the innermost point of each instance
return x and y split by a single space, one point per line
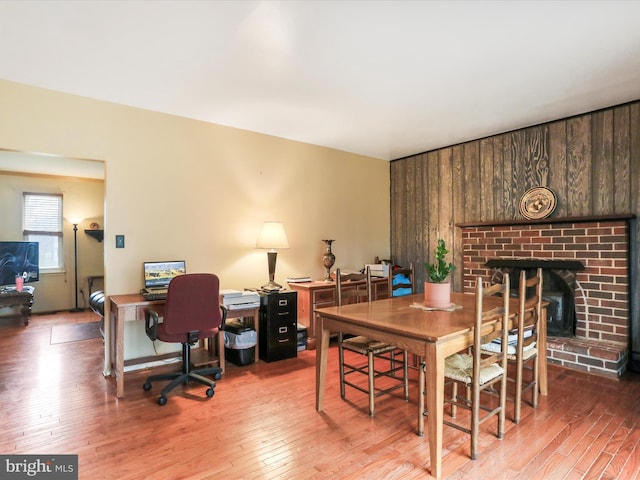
591 162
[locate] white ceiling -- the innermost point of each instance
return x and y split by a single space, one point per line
381 78
39 164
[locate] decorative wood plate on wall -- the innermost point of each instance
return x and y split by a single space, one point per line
538 202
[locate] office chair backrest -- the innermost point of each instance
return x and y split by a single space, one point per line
193 303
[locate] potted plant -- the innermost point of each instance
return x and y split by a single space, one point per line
437 291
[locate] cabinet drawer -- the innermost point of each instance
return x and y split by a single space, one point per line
140 311
283 306
324 304
324 296
283 332
280 303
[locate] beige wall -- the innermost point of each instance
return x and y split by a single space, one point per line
54 291
182 189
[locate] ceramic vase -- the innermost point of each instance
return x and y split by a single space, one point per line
328 259
437 295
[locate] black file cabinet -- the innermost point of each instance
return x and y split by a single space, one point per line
278 325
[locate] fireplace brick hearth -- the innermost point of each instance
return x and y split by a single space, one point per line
602 292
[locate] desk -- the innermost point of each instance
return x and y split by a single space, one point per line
434 335
317 294
125 308
10 298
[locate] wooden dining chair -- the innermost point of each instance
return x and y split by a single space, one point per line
401 281
372 349
477 370
522 352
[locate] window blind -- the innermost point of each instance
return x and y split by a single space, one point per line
42 214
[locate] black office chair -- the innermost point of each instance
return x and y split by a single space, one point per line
192 312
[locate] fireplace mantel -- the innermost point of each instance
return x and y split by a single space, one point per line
543 221
535 263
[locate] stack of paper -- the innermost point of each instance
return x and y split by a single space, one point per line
298 279
238 300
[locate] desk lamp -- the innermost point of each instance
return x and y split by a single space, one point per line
272 236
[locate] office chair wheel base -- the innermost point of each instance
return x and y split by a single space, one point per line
210 392
217 376
162 400
147 386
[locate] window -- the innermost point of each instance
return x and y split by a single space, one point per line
42 222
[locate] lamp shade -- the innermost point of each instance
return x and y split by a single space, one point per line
272 236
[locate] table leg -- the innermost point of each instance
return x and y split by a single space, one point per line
421 399
322 351
118 325
26 314
435 404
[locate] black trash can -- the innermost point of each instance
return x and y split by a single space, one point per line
239 343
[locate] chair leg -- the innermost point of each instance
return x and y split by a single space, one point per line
341 365
503 405
184 376
536 385
475 420
177 381
198 377
517 401
421 394
454 398
372 393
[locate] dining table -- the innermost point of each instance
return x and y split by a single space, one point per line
432 334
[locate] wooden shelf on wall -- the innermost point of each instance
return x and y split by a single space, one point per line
97 234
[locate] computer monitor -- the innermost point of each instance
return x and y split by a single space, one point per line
159 274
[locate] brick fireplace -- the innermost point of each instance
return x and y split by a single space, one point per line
600 290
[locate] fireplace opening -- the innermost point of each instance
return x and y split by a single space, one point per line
558 289
561 311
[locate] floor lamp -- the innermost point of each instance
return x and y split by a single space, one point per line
75 262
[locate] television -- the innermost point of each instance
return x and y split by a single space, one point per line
19 258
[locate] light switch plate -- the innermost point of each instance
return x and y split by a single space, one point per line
119 241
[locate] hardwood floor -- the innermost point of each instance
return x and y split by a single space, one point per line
262 423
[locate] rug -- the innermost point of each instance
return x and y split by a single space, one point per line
75 332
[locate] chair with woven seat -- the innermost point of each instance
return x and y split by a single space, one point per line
372 349
477 370
192 313
521 350
401 283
